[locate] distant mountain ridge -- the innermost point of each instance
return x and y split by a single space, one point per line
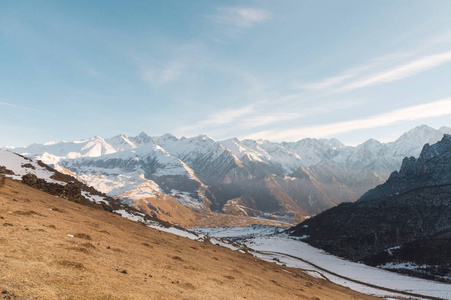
403 224
285 181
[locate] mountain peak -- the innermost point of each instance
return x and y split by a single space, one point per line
438 149
445 130
432 168
204 137
121 142
370 144
421 134
142 134
422 129
142 138
96 137
168 136
372 141
120 136
446 139
333 142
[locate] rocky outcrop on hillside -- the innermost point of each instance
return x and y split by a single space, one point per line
42 177
4 170
432 168
71 191
403 224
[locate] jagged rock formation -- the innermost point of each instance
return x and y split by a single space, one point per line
403 224
432 168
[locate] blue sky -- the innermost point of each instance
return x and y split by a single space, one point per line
277 70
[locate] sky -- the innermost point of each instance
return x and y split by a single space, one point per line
276 70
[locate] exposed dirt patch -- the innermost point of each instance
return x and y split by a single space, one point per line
83 236
56 209
177 258
88 245
79 249
27 213
71 264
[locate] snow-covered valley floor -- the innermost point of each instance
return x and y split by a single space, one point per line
297 254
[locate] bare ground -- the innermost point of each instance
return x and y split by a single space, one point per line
51 248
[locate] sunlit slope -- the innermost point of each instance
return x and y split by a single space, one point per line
55 249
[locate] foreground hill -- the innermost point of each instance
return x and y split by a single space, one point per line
56 249
403 224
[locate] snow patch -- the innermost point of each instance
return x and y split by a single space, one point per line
281 247
94 198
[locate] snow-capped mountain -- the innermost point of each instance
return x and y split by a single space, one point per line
93 147
149 166
208 158
121 142
284 180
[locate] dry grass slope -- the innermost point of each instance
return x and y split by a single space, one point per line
55 249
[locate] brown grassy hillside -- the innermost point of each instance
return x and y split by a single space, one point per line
51 248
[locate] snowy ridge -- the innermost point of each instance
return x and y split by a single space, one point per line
202 153
121 142
93 147
22 166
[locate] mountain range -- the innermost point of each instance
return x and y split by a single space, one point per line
284 181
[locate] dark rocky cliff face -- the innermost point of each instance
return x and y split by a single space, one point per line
432 168
405 221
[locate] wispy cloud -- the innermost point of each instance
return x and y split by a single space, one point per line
241 16
21 107
378 71
330 83
325 83
161 76
262 120
433 109
219 118
412 68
